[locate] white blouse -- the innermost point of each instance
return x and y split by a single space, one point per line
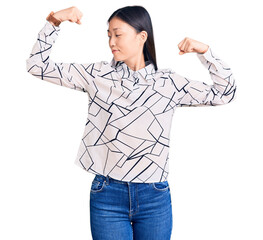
127 132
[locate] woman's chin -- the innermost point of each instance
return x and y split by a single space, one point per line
117 58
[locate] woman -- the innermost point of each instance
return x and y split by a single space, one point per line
131 103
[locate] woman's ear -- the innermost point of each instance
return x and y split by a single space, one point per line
144 36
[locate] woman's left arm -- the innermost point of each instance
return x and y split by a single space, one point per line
196 93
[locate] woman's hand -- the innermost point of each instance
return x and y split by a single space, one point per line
72 14
188 45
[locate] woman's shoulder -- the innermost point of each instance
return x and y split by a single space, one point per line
101 65
164 71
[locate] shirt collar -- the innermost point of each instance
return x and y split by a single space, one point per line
146 73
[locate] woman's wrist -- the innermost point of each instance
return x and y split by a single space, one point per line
53 20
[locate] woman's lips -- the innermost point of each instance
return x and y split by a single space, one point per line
113 51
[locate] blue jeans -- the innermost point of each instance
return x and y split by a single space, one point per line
130 211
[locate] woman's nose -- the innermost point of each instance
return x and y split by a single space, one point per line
112 42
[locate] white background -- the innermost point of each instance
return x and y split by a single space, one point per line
215 152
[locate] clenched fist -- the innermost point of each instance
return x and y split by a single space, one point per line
72 14
188 45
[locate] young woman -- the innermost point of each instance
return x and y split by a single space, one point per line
131 104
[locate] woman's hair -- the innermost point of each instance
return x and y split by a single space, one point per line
140 20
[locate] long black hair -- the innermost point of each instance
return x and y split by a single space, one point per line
139 18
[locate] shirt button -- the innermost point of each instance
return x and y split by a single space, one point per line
135 75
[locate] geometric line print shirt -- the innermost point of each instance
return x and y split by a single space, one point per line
127 131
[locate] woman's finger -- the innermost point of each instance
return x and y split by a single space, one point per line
187 47
180 44
183 46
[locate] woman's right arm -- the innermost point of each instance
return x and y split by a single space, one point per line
72 75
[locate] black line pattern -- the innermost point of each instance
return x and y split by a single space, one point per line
127 132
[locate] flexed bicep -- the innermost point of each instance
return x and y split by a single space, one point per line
190 92
72 75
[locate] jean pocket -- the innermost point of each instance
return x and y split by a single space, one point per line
160 186
98 184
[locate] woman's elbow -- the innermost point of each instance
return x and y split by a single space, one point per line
228 97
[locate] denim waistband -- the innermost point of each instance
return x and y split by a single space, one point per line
109 179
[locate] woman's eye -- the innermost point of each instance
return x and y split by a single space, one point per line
116 36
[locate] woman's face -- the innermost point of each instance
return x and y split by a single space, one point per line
124 39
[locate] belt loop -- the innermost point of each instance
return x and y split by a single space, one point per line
107 180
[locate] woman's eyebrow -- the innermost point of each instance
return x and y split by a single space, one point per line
113 29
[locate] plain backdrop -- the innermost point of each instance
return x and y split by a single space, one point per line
215 152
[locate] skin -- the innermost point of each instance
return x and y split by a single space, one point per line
71 14
127 41
188 45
